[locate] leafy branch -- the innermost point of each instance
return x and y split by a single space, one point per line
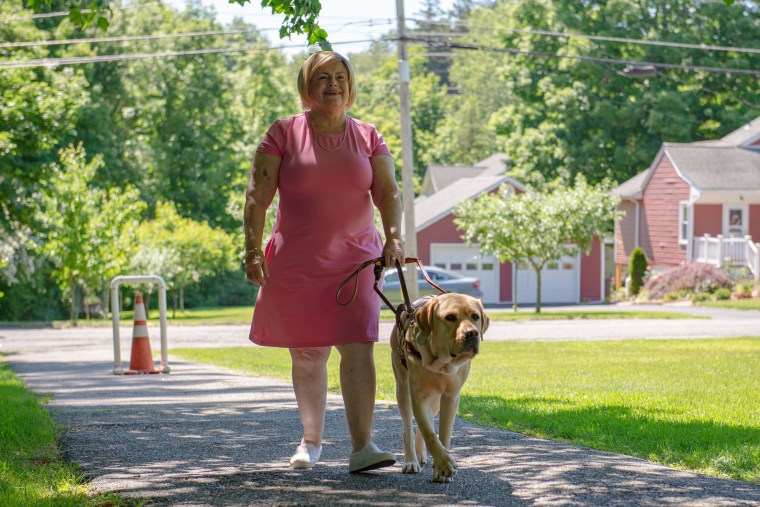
301 16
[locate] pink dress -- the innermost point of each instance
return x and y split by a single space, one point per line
323 230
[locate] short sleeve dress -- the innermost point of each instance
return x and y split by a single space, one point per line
324 228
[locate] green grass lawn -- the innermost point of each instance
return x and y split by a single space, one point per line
690 404
739 304
243 314
32 472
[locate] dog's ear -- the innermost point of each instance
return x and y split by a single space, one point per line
483 320
424 316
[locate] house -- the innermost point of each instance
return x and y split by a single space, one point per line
571 279
696 202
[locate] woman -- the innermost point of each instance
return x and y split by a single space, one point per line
329 169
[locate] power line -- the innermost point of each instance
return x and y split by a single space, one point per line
54 62
61 14
126 38
57 14
705 47
727 70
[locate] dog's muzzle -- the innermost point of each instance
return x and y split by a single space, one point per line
471 341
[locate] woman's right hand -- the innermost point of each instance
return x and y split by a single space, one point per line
256 268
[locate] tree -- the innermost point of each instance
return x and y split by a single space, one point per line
537 227
38 115
377 103
183 251
637 269
87 230
431 19
552 115
300 16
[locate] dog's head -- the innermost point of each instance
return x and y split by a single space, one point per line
454 324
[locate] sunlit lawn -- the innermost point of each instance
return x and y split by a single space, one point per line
690 404
32 471
739 304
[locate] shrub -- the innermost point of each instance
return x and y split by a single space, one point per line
698 297
677 295
743 291
637 269
722 294
690 277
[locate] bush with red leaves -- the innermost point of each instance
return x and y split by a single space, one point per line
693 276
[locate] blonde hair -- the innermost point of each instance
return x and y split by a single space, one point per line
312 65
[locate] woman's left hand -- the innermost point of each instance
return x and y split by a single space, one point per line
393 252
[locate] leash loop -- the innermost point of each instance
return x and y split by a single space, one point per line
379 268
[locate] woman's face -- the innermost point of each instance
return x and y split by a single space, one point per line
329 85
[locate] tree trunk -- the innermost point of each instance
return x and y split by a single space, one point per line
106 301
147 303
174 303
538 288
73 313
516 267
182 299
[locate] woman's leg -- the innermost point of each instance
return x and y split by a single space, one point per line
357 383
309 370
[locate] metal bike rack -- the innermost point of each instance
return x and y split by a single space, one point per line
155 279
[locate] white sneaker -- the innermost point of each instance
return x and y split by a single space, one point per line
370 458
306 456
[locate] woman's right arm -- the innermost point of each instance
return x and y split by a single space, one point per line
262 186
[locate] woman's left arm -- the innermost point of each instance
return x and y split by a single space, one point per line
387 198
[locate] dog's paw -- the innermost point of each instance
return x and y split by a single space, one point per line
423 458
444 468
410 467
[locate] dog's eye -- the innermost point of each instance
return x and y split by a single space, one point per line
451 317
475 316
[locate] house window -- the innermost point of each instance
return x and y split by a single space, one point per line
683 222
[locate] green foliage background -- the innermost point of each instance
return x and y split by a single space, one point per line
182 130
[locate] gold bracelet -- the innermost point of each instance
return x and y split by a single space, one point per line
253 253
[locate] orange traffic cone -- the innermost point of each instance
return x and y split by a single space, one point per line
141 360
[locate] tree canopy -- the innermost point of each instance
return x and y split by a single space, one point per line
531 79
537 227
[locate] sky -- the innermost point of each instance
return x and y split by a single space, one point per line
344 20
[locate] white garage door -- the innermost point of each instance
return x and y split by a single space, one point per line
467 261
559 282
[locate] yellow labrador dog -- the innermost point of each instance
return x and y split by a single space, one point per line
431 362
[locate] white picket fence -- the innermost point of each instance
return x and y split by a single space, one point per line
721 251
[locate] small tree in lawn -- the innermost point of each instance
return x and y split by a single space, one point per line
88 229
637 269
182 250
537 227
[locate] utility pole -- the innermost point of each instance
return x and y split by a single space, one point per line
407 170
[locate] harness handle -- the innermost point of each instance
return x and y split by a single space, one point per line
380 267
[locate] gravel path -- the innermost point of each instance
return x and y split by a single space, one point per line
207 437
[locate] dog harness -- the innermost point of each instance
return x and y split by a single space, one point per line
403 328
405 307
